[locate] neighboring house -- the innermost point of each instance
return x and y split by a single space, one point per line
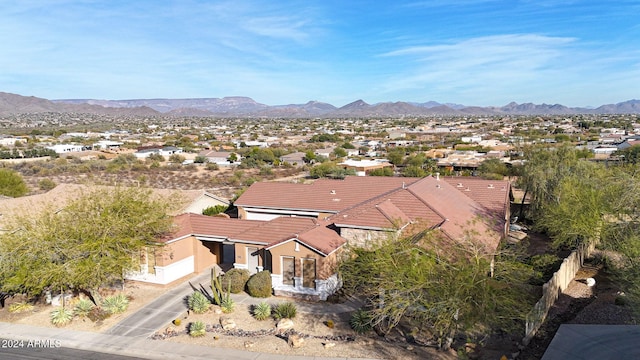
219 157
295 159
363 167
300 253
203 201
66 148
143 153
107 145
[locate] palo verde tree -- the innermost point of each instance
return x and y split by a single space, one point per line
542 172
440 291
91 242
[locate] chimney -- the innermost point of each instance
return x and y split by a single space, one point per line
438 176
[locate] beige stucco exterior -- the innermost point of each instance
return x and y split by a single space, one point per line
205 254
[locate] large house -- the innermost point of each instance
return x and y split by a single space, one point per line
297 231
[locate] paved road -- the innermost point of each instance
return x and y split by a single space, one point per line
160 312
51 350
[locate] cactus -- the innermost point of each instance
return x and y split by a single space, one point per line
220 297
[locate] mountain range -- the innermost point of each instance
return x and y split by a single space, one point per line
239 106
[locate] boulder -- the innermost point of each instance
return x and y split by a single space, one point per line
227 323
295 341
284 324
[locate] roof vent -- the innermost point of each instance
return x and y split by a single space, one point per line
437 186
333 192
459 185
490 186
438 176
467 189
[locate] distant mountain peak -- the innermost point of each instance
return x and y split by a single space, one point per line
238 106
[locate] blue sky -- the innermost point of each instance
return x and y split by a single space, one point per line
472 52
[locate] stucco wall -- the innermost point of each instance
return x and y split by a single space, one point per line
207 254
174 252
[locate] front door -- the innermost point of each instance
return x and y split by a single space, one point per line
252 259
228 253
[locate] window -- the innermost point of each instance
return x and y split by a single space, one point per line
288 270
309 273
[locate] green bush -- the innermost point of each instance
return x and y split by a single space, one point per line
197 328
12 184
360 321
285 310
262 311
234 280
215 210
259 284
198 303
83 307
544 265
61 316
116 304
46 184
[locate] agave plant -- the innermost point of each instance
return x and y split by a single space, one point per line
360 321
61 316
227 305
83 307
198 303
116 304
197 328
285 310
262 311
19 307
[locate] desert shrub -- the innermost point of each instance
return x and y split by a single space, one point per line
176 158
197 328
286 310
98 314
61 316
46 184
259 284
262 311
115 304
360 321
212 166
227 305
234 280
198 303
19 307
83 307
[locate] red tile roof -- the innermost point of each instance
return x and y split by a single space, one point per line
307 231
324 195
460 207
